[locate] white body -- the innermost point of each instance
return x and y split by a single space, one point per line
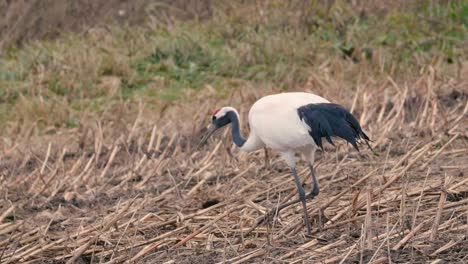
274 123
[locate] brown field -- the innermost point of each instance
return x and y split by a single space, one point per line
122 181
113 190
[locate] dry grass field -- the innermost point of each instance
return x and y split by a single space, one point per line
97 151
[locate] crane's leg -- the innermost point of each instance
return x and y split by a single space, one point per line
315 188
310 156
302 198
290 160
313 192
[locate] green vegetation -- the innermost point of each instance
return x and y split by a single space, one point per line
278 44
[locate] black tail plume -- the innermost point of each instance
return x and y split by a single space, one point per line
332 120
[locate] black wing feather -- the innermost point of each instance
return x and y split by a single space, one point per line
332 120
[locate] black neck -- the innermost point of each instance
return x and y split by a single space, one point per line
235 130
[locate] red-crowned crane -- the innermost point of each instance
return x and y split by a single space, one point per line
292 123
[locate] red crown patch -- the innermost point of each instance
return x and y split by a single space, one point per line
216 111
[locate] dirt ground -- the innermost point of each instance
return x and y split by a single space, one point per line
134 189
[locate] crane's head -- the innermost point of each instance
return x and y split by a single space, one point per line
220 118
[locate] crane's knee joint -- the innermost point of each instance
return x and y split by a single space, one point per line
315 190
302 195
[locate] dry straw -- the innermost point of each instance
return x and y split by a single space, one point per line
139 192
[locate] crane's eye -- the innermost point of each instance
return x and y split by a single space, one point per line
214 118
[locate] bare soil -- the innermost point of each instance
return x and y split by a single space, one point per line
132 188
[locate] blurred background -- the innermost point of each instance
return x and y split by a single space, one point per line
79 54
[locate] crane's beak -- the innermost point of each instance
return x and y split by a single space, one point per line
211 129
